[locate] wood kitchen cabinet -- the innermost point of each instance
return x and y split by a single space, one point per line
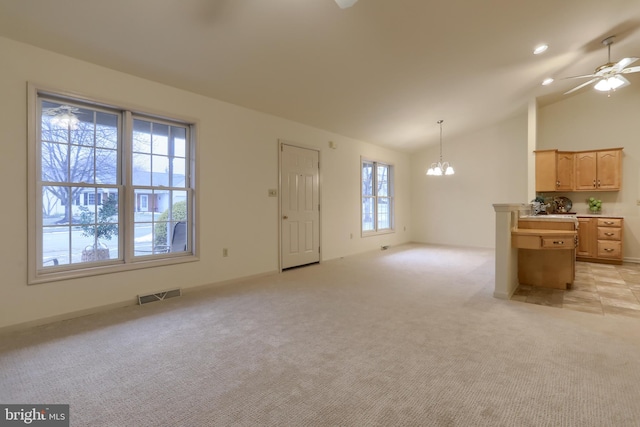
598 170
600 239
587 237
546 252
554 170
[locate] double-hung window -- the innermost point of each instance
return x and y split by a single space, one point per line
112 189
377 197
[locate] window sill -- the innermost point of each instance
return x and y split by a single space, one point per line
377 233
56 276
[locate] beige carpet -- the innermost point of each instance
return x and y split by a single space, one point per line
406 337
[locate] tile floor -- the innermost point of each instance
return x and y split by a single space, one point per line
598 288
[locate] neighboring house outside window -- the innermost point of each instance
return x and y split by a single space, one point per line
105 198
377 197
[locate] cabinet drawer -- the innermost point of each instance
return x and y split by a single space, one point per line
609 233
609 222
609 249
558 242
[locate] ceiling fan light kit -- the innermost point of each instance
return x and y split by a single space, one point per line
440 168
608 77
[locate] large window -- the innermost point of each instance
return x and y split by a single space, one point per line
377 197
112 189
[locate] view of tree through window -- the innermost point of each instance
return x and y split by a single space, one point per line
377 197
91 210
79 168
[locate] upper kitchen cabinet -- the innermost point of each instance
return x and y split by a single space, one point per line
554 170
599 170
596 170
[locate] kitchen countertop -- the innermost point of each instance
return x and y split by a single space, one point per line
599 216
557 218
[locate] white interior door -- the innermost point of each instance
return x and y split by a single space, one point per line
300 206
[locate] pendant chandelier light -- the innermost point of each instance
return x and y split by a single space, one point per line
343 4
440 168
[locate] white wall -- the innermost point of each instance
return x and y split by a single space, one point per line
592 120
491 167
237 151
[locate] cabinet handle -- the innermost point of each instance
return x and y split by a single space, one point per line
608 234
598 183
557 183
608 250
594 183
609 222
558 242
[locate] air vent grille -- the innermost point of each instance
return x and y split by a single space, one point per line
143 299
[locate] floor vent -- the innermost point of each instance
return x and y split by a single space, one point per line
143 299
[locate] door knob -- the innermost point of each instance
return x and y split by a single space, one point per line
285 217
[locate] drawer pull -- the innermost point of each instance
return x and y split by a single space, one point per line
558 242
609 222
608 234
608 250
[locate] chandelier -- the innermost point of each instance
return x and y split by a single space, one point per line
440 168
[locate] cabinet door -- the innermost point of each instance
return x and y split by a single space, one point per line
546 171
564 171
586 167
609 165
586 237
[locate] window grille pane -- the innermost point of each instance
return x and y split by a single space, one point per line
141 164
383 214
141 136
367 179
178 171
368 214
382 181
106 130
55 245
54 161
106 166
160 168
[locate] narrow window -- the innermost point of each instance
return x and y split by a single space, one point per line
377 197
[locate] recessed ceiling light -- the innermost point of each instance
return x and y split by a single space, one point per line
547 81
540 49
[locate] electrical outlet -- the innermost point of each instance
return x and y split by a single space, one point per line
225 252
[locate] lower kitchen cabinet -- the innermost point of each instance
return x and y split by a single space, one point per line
600 239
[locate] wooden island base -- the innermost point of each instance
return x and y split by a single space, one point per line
546 268
546 252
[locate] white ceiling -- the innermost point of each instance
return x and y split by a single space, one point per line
382 71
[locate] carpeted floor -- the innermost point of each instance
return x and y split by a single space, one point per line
406 337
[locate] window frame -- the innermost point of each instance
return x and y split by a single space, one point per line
38 272
375 197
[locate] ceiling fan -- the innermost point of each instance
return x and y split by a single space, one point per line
343 4
608 76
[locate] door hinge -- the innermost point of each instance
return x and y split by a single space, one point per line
281 147
318 207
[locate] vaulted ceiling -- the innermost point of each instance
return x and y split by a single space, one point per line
382 71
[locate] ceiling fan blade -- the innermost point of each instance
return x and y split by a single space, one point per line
579 77
623 63
581 86
631 70
626 82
